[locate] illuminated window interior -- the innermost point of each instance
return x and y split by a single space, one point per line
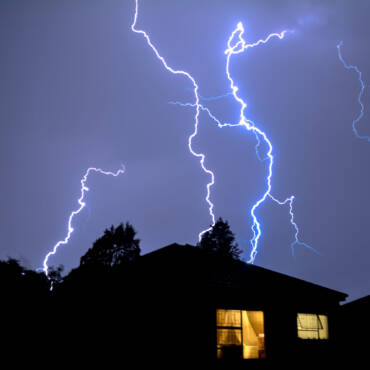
312 326
240 334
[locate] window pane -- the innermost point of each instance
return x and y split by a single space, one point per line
312 326
253 334
229 343
324 329
240 334
231 318
229 337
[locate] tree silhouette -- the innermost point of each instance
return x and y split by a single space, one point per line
55 275
19 281
221 240
116 247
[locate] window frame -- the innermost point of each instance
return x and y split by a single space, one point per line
239 328
324 327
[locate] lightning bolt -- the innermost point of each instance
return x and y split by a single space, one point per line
235 47
239 46
296 241
74 213
220 125
289 200
200 156
212 98
359 74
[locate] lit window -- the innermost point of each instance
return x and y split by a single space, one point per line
312 326
240 334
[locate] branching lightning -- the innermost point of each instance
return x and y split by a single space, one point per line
211 98
221 125
359 74
289 200
296 241
82 205
236 45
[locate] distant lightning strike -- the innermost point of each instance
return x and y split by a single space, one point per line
221 125
296 241
359 73
82 205
239 46
200 156
289 200
215 97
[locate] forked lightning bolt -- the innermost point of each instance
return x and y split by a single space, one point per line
239 45
359 74
296 238
236 45
289 200
82 205
237 48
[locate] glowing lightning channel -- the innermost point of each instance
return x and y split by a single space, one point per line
221 125
212 98
200 156
289 200
240 46
359 73
82 205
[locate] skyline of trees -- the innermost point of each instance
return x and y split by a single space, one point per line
116 248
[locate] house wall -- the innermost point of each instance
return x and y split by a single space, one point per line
280 316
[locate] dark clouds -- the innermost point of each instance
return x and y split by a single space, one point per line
79 89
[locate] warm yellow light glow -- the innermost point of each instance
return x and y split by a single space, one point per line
230 318
240 334
312 326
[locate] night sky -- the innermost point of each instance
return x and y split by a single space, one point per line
78 88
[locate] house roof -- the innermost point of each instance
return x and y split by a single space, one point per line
189 264
361 303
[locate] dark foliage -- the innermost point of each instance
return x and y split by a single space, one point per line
17 280
25 304
55 275
116 247
220 240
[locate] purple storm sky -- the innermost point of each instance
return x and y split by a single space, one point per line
78 89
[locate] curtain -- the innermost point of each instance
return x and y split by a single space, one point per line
241 328
231 318
253 334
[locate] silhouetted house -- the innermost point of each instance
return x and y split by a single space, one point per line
181 303
190 304
355 328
